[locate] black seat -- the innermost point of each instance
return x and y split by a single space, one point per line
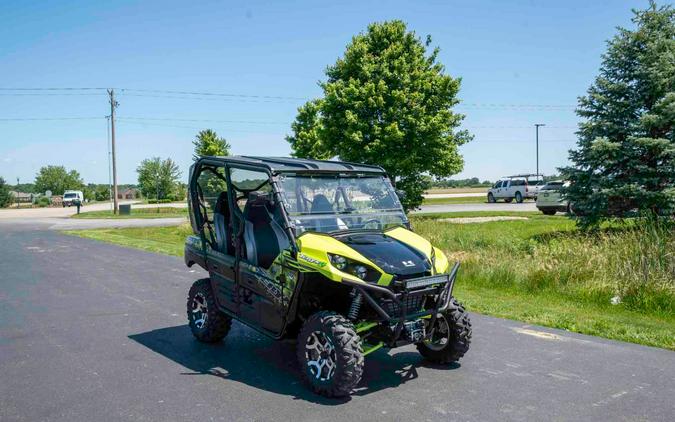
222 227
263 236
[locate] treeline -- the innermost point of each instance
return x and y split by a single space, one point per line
473 182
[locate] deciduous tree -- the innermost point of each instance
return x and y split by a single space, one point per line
57 180
388 102
207 142
158 178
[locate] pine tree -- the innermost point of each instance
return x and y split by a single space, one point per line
626 149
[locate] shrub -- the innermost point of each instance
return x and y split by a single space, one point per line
42 202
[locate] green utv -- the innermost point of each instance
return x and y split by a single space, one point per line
320 251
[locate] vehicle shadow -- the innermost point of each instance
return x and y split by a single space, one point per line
250 358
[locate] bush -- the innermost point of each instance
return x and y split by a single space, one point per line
42 202
5 196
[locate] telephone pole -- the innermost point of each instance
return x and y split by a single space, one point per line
113 105
536 125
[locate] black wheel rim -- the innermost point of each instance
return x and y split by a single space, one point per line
320 356
199 310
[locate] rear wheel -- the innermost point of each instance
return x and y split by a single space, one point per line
491 198
519 197
451 335
330 355
207 323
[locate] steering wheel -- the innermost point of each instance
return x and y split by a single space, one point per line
372 220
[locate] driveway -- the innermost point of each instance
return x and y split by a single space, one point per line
91 331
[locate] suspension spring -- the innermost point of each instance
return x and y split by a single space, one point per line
355 306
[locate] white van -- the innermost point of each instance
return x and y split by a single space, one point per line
72 195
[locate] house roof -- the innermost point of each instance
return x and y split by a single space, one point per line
285 164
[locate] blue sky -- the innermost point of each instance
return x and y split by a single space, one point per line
521 62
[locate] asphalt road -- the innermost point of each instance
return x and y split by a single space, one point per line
499 206
90 331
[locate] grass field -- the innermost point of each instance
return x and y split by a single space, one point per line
541 270
460 200
161 212
457 190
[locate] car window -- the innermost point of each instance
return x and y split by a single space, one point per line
552 186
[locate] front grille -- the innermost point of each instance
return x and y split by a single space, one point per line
412 304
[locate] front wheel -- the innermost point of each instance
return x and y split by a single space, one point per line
330 355
491 198
450 335
207 323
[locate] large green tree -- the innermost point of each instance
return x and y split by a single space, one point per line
207 142
57 179
5 196
157 178
388 102
626 149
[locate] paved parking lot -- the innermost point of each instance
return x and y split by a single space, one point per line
90 331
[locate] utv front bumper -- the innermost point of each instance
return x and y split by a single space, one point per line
410 299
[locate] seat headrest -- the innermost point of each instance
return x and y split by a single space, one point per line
258 198
221 203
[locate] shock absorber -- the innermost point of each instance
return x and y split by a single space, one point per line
355 307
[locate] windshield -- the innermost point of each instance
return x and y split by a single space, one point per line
340 202
71 195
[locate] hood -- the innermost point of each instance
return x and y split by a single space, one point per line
389 254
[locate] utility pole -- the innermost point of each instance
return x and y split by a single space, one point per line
537 125
113 105
110 195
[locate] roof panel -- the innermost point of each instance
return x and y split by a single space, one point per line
286 164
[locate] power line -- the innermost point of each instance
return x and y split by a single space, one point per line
170 119
214 94
22 119
53 89
195 95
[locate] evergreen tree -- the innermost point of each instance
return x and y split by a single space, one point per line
626 148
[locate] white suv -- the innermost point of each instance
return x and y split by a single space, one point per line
516 187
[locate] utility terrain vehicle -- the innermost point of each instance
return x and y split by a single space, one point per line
320 251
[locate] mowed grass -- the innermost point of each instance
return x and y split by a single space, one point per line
458 200
154 212
164 240
541 270
458 190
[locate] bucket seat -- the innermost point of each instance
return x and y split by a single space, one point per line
263 236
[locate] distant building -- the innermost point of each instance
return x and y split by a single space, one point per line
22 197
128 193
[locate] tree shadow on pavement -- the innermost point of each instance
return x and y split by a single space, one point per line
252 359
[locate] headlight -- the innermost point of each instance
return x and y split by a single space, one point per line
355 268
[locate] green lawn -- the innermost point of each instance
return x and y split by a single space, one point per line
541 270
460 200
161 212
